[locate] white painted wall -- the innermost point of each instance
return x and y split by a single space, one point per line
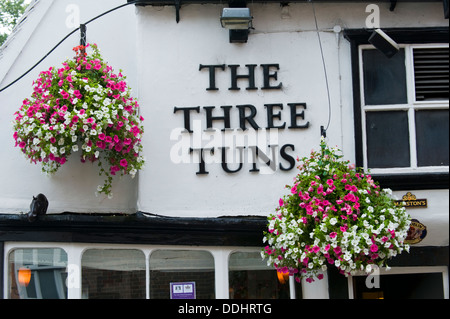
161 59
73 187
170 55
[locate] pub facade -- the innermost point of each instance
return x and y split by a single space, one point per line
227 111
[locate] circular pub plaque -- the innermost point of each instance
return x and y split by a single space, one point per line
416 233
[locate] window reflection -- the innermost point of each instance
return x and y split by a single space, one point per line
182 266
113 274
251 278
38 273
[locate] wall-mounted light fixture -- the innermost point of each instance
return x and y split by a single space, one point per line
384 43
238 21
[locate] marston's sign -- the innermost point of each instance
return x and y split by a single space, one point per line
409 201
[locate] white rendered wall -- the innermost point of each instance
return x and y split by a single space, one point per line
169 58
161 59
72 188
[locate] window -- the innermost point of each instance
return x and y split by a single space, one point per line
113 274
90 271
251 278
431 73
398 283
37 273
404 109
190 269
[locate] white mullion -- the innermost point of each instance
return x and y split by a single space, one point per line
74 281
411 95
292 293
362 108
364 141
147 253
410 79
412 138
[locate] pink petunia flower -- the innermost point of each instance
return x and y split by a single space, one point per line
114 169
374 248
123 163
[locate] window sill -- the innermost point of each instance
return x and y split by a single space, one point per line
413 181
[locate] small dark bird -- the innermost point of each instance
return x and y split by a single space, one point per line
38 207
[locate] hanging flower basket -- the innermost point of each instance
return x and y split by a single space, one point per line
82 107
334 216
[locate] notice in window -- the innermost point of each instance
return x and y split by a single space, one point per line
182 290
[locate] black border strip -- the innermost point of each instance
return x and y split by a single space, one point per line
139 228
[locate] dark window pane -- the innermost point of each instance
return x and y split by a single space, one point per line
384 78
402 286
38 273
113 274
432 137
387 139
50 284
182 266
251 278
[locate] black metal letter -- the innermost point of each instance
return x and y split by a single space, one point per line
212 74
250 77
187 117
294 115
225 118
248 118
224 160
271 116
268 76
287 157
201 165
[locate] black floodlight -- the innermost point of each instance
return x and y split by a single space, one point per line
384 43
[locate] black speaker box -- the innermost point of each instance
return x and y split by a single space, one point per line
384 43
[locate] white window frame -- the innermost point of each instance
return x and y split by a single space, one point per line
411 106
75 252
404 271
37 280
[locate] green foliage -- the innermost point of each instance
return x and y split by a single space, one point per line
82 107
10 12
335 215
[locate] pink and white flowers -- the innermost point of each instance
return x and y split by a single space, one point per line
334 216
82 107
